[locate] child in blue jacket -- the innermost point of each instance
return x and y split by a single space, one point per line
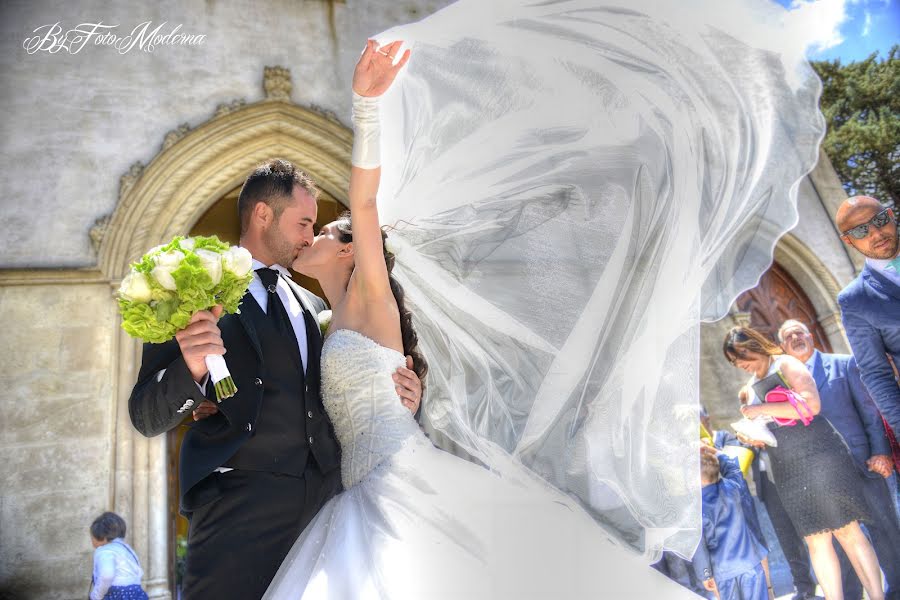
729 558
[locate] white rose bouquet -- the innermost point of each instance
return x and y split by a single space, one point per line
172 282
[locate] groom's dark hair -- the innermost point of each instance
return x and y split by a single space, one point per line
272 183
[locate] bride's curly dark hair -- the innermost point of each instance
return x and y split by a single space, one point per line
344 226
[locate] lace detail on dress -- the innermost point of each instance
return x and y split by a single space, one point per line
358 392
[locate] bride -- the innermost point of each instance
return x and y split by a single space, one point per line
586 180
414 521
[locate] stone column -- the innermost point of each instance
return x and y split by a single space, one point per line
140 487
834 329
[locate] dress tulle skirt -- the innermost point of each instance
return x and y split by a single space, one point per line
427 525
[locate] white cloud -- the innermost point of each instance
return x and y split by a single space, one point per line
816 23
867 26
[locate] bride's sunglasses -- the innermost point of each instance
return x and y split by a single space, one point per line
879 221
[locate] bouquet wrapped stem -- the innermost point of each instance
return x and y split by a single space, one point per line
172 282
220 377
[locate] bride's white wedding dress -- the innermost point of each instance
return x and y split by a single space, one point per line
416 522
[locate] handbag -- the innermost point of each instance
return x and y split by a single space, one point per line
781 393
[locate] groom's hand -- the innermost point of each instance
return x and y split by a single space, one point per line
206 409
199 338
409 387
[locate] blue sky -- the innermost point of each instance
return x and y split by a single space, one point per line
848 29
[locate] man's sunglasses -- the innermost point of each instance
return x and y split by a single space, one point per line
879 221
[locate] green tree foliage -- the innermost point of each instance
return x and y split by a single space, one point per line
861 103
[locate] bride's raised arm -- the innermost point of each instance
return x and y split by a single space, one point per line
374 74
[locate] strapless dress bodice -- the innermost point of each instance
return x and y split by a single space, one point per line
359 394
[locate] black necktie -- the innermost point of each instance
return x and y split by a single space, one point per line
274 308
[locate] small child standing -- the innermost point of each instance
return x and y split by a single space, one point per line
729 558
117 570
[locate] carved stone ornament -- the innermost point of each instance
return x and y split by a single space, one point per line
98 231
328 114
229 107
277 83
127 181
175 135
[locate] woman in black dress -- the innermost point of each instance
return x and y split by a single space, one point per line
812 468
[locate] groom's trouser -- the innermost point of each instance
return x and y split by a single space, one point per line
237 541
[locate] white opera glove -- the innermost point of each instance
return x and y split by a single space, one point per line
366 133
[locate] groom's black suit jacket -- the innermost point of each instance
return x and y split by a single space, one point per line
158 404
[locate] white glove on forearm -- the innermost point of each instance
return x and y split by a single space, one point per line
366 133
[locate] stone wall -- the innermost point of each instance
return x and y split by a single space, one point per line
73 123
55 442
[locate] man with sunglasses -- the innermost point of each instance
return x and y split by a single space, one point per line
870 304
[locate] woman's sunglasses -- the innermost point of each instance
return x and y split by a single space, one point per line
879 221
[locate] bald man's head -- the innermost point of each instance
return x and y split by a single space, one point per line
880 240
852 211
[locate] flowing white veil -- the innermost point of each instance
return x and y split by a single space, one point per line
576 185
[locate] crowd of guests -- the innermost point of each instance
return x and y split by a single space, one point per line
824 465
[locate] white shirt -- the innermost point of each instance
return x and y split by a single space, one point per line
880 265
288 299
115 564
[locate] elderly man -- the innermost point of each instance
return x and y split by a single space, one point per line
870 304
847 405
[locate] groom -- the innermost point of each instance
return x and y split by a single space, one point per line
256 468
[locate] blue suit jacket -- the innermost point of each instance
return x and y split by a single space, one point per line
870 310
848 406
728 547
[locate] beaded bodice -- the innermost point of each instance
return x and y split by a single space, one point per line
359 394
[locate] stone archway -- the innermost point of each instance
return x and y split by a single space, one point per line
818 283
776 298
798 266
193 170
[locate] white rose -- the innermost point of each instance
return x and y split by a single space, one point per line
186 244
163 276
237 260
324 320
212 263
135 287
170 260
165 264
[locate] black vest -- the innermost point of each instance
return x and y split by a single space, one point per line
280 440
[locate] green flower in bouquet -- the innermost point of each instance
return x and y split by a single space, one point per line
172 282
